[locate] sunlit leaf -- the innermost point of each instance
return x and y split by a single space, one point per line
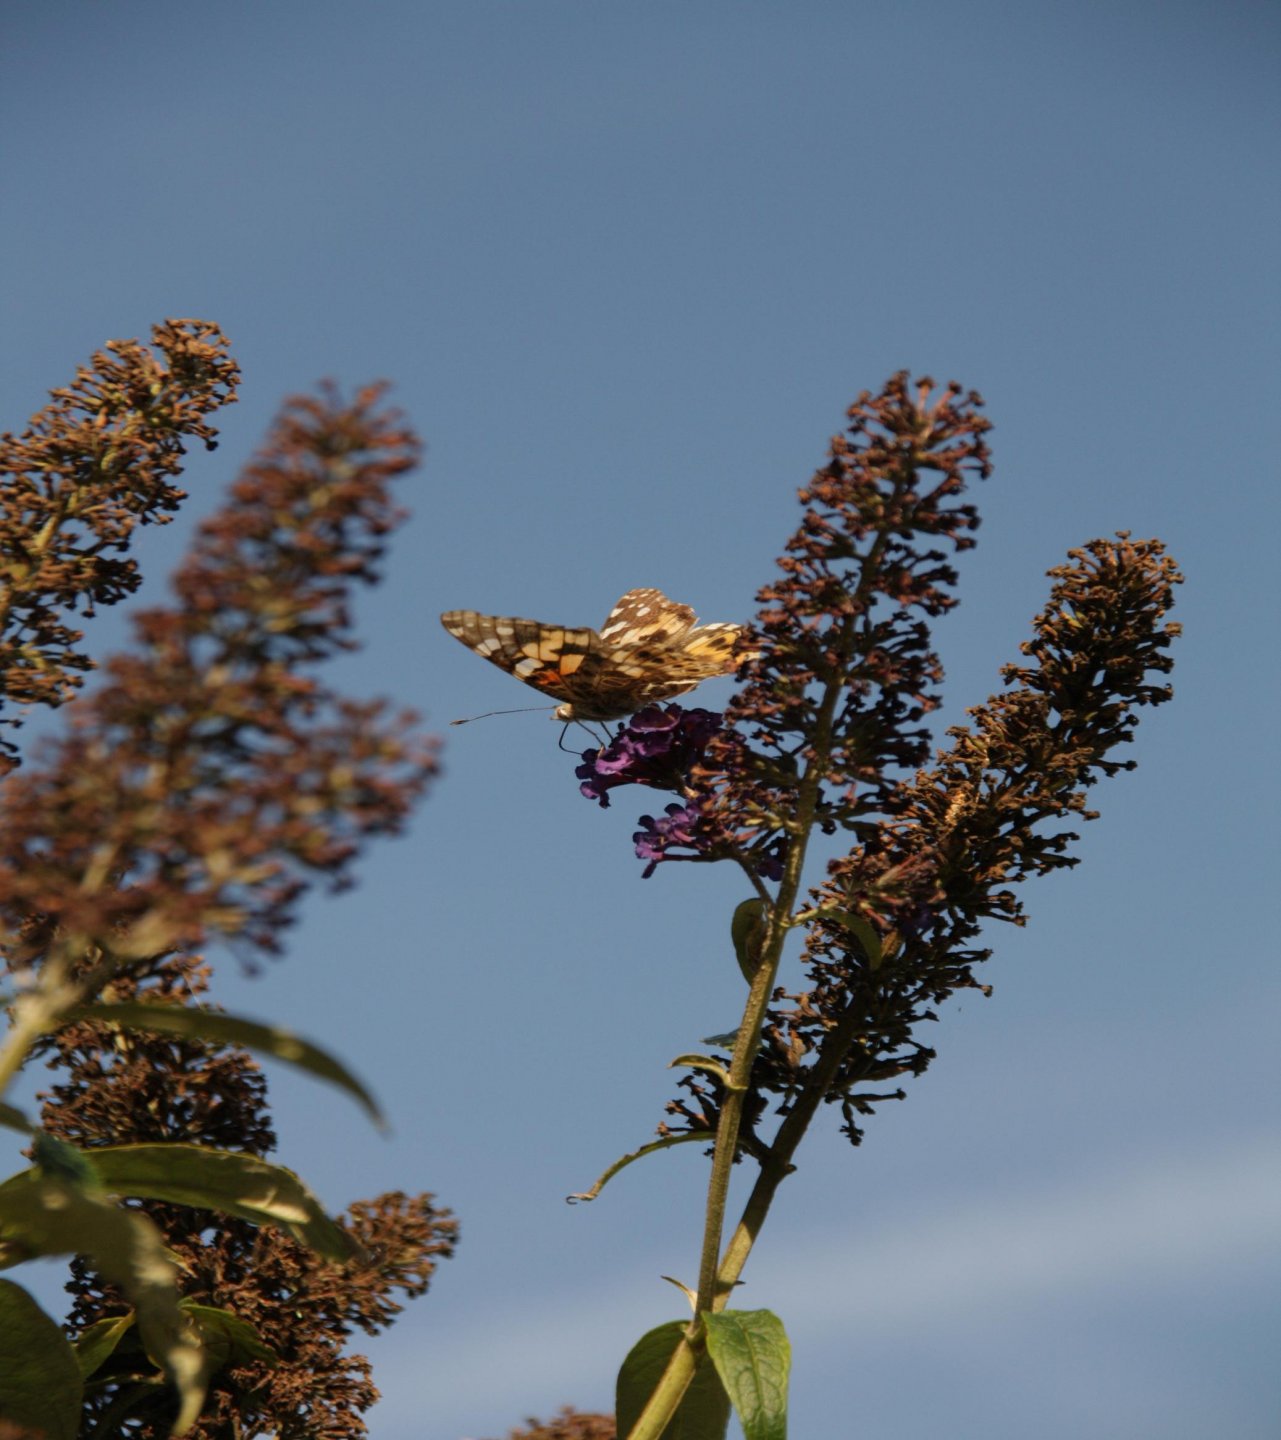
224 1180
747 930
752 1356
192 1023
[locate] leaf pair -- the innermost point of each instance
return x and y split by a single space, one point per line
750 1358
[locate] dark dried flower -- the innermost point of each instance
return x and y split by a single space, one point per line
826 732
987 816
568 1424
833 700
137 1087
90 467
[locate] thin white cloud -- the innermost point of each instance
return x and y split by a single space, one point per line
1167 1220
1170 1217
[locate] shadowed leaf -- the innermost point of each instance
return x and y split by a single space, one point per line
43 1214
39 1380
705 1408
96 1343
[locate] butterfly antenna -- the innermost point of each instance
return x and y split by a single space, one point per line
522 710
600 744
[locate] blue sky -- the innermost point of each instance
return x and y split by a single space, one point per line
626 265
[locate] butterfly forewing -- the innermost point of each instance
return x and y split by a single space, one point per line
521 647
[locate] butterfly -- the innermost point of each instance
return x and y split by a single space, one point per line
649 649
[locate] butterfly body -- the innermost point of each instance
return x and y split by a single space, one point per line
649 649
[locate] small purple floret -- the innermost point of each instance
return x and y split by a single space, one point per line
678 825
769 861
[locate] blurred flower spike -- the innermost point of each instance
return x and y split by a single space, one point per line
213 776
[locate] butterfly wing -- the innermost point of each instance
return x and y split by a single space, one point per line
697 655
649 649
646 617
547 657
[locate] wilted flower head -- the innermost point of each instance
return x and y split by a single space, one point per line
94 464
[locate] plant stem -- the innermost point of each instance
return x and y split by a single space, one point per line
717 1275
35 1012
712 1292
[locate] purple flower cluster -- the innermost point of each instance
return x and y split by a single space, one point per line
691 826
660 748
657 748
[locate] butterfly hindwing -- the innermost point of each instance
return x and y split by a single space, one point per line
645 617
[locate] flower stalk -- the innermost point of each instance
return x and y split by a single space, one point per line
826 733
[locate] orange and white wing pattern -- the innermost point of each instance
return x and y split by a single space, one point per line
648 649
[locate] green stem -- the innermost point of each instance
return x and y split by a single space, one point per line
712 1294
777 1162
34 1013
716 1276
41 1010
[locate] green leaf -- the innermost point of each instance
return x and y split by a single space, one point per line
228 1338
13 1119
704 1409
752 1357
56 1157
702 1062
42 1214
96 1343
684 1137
747 930
864 932
192 1023
222 1180
39 1380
